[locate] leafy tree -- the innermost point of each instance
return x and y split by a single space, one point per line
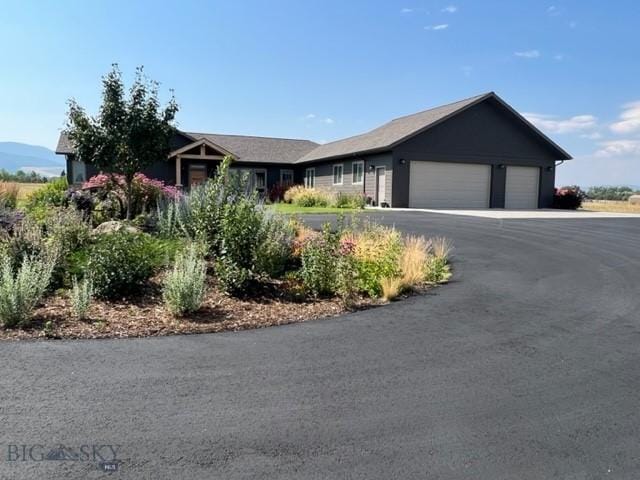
21 177
610 193
128 134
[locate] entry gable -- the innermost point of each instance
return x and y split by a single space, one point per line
202 148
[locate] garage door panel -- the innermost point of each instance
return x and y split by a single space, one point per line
449 185
522 187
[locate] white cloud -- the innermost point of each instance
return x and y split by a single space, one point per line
616 148
406 10
553 11
552 124
573 24
629 119
592 135
450 9
312 119
442 26
528 54
467 70
558 57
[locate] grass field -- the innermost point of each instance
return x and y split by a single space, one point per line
611 206
26 188
295 209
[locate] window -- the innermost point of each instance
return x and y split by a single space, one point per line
358 173
310 178
286 177
337 174
78 172
260 179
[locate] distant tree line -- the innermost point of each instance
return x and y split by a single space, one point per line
22 177
610 193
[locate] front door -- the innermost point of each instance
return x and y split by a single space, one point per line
380 186
197 174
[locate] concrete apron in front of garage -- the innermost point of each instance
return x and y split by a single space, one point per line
517 214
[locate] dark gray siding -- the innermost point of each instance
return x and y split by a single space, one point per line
485 133
380 160
324 174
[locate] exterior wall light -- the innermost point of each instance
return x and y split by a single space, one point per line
402 161
549 169
501 166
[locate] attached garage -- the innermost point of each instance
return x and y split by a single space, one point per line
522 187
449 185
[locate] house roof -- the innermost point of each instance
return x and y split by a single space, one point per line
259 149
290 151
64 145
400 129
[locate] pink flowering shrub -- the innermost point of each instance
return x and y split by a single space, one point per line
146 192
347 245
568 198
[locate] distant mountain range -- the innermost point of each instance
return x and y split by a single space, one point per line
16 156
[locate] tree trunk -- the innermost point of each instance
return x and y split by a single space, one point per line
129 197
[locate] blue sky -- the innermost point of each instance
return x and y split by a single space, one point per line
328 69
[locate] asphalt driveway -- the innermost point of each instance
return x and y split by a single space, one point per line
526 366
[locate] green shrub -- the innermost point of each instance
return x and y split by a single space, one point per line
28 240
120 263
63 229
231 277
350 200
68 226
346 274
275 250
53 194
240 232
437 268
308 197
167 218
222 214
377 252
184 286
198 213
81 295
318 257
292 192
21 290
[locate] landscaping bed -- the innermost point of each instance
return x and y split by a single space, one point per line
146 317
208 260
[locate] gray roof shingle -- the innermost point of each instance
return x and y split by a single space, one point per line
390 133
260 149
64 145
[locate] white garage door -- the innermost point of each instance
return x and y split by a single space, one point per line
449 185
522 187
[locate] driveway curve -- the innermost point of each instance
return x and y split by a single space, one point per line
527 365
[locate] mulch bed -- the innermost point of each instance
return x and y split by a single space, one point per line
146 315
